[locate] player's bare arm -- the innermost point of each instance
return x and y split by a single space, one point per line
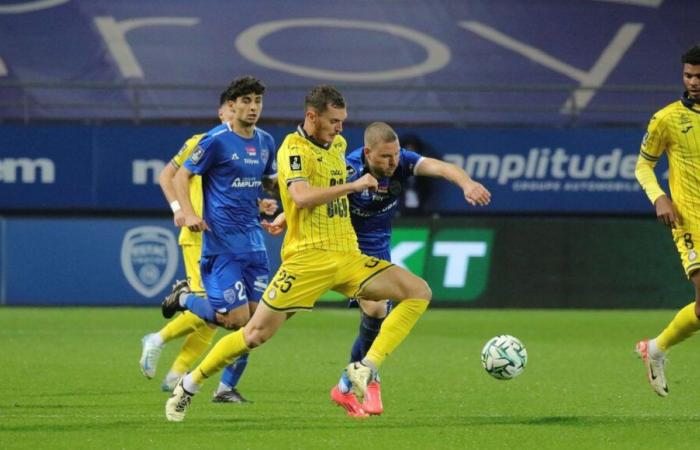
181 182
165 180
666 212
474 192
306 196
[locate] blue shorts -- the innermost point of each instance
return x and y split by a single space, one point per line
232 280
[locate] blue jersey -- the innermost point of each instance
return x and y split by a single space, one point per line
371 212
232 168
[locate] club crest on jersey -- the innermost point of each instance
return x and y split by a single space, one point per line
264 155
350 170
149 259
295 162
250 150
197 154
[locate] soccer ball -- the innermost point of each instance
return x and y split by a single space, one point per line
504 357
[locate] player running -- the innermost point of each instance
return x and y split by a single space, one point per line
675 130
233 160
319 253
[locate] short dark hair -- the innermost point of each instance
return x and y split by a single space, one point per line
242 86
692 56
320 97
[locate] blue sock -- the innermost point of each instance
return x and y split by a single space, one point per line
232 372
356 352
201 307
369 329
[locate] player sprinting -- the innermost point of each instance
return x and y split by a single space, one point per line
372 213
232 160
319 253
675 130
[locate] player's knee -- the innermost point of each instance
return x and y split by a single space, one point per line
255 337
419 289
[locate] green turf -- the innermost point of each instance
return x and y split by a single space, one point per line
71 380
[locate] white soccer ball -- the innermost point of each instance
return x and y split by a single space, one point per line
504 357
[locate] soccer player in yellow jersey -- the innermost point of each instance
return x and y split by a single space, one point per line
319 253
675 130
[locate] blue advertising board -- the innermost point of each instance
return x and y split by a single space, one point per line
528 171
92 261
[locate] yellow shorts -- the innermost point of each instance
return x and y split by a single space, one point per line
191 254
303 277
687 240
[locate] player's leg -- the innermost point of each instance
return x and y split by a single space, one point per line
261 327
182 325
370 278
197 341
296 286
372 314
255 278
684 324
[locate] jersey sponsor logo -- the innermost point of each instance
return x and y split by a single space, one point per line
246 182
27 170
250 161
336 173
250 150
197 155
149 259
295 162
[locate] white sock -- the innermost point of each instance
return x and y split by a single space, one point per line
189 385
654 351
156 339
182 299
172 376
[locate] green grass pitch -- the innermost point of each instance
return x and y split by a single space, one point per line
71 380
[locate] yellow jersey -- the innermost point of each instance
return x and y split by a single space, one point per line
675 130
323 227
188 237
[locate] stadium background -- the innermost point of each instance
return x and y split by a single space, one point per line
96 96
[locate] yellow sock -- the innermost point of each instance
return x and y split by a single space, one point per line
395 328
681 328
224 352
194 346
183 324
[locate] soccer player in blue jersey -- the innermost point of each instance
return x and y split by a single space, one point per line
371 213
234 160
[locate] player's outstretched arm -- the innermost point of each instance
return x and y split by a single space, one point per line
474 192
181 182
306 196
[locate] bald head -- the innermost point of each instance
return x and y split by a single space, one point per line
378 133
